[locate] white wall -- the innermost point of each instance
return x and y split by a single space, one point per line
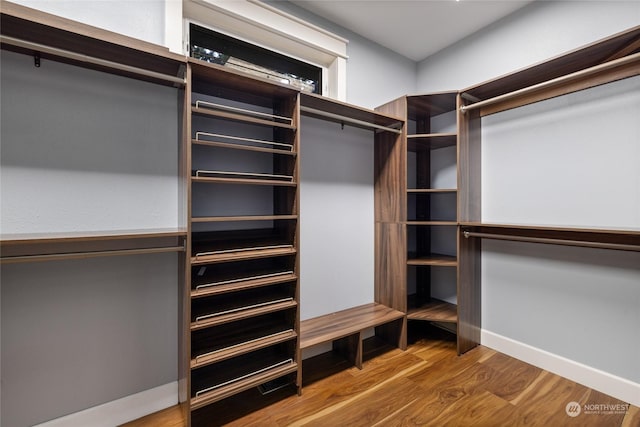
85 151
570 161
79 333
141 19
375 74
532 34
336 217
578 305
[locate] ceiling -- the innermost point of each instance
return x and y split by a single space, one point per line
414 29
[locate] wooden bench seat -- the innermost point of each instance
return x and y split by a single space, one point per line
344 329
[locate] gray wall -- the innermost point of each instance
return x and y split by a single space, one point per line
81 151
577 303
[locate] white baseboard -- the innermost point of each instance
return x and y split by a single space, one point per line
122 410
620 388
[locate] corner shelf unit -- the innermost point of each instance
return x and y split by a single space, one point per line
240 305
429 285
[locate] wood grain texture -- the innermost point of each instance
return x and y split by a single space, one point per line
426 385
391 265
577 59
469 292
343 323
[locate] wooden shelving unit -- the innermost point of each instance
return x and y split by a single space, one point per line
427 174
240 319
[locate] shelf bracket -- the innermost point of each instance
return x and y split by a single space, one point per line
36 59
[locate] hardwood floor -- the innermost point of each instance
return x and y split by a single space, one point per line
426 385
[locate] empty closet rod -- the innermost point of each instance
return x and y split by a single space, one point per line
562 79
564 242
91 60
349 120
89 254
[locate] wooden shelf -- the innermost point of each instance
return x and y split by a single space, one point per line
623 239
584 57
347 111
433 104
233 146
244 181
77 245
343 323
244 218
433 259
242 285
228 351
241 118
242 255
243 314
434 311
42 28
431 190
245 383
434 223
233 84
423 142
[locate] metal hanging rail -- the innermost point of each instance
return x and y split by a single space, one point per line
346 119
563 79
551 241
91 60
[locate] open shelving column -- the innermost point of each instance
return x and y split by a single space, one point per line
240 306
345 329
427 232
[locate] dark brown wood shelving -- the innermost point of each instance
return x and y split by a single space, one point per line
240 285
244 181
422 142
268 307
432 190
77 245
232 146
434 311
230 377
34 26
229 348
241 118
433 259
244 218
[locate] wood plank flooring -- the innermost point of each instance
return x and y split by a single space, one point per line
427 385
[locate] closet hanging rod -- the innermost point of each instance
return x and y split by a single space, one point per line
91 60
551 241
349 120
89 254
562 79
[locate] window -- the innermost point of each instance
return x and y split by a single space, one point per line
263 25
218 48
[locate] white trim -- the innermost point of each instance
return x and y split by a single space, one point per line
266 26
620 388
299 21
173 26
122 410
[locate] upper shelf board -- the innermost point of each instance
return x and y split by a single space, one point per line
341 112
81 40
